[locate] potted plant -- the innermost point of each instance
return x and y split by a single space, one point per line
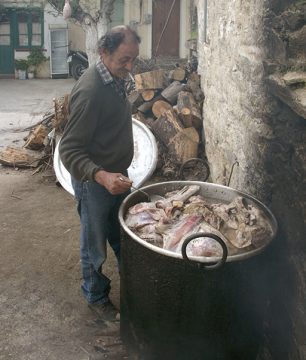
35 58
21 66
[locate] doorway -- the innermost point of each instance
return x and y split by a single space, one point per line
6 45
59 49
165 28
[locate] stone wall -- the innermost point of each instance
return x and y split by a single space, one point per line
251 61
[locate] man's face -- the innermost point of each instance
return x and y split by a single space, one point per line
120 62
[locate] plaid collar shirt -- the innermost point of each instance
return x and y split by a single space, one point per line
107 78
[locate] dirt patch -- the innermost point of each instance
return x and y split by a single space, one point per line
43 314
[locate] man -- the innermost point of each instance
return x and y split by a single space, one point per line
97 149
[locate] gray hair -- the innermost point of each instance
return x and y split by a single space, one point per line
115 37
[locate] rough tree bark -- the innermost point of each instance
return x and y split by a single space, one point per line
94 16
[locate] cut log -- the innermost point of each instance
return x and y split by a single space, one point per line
184 145
160 107
177 74
150 80
194 76
147 105
20 157
166 127
60 112
148 95
144 119
36 138
170 93
294 78
175 109
135 100
194 85
188 110
139 116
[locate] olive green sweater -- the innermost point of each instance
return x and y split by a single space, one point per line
99 129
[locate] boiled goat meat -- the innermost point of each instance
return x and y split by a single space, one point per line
166 223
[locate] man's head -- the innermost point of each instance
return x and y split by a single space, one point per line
118 49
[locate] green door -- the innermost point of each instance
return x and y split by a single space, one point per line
6 45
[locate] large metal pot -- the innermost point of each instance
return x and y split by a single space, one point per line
173 308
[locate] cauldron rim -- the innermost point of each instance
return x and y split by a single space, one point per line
172 185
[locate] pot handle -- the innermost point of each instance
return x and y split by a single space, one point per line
191 160
200 264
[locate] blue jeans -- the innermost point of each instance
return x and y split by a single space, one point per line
98 211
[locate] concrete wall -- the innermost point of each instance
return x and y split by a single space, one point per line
231 60
262 139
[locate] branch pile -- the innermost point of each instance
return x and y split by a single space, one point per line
38 149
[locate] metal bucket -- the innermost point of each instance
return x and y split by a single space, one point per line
172 307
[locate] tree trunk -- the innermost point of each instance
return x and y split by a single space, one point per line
93 31
93 28
94 17
91 38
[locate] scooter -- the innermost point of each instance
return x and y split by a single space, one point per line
78 62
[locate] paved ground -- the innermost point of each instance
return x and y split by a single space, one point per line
23 102
42 312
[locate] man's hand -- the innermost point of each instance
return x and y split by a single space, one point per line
115 183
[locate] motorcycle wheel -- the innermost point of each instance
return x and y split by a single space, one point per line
77 69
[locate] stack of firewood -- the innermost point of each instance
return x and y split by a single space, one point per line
169 102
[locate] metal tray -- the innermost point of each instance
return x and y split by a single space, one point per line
141 168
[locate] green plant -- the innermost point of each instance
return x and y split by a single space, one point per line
21 64
35 58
